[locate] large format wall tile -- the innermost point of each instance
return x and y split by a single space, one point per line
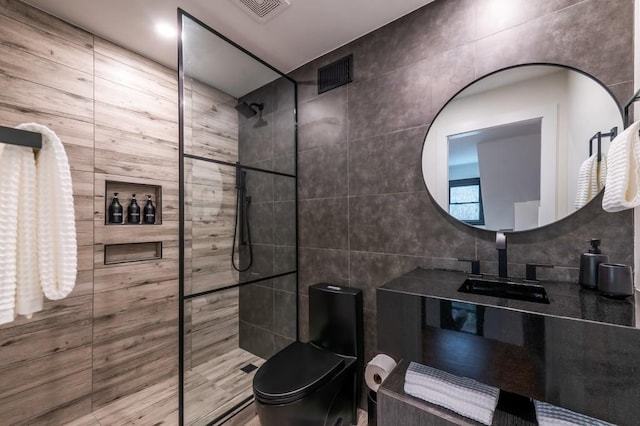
566 37
422 34
403 74
322 122
322 266
48 78
397 100
406 223
324 223
494 16
387 164
322 173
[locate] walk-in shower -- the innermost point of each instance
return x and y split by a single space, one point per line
238 227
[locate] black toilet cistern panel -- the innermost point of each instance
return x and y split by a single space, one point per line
335 319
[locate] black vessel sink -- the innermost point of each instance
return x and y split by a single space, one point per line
505 289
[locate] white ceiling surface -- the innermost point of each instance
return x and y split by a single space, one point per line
302 32
463 147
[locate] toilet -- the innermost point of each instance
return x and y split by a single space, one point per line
317 383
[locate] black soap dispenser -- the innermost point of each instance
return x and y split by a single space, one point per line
133 212
149 212
115 210
589 263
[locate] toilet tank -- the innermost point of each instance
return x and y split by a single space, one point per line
335 319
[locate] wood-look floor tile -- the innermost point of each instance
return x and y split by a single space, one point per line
154 405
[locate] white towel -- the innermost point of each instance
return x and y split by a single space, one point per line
10 164
28 290
622 189
591 179
460 394
550 415
57 246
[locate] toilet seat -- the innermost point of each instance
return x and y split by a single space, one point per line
295 372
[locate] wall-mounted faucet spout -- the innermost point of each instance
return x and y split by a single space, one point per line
501 246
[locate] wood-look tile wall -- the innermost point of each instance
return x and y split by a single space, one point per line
117 115
211 322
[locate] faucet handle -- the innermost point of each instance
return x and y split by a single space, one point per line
531 270
475 265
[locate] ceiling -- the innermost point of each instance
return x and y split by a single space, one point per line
300 33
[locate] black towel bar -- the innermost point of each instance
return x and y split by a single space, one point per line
598 136
634 98
12 136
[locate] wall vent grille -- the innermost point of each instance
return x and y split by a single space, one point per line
335 74
262 10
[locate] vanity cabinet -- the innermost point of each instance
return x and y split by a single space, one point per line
580 352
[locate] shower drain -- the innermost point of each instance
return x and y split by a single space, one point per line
249 368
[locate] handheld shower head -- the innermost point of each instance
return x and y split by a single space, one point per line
249 110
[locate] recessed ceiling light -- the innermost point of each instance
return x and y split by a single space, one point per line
166 30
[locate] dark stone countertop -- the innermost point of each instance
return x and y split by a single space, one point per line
580 352
568 300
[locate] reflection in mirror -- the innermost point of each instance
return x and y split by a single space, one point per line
512 150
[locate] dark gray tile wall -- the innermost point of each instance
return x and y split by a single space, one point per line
268 308
364 214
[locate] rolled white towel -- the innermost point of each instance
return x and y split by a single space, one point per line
460 394
622 190
10 164
550 415
57 245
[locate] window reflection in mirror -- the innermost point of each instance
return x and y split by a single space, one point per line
465 200
523 134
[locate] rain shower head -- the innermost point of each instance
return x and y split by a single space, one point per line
249 110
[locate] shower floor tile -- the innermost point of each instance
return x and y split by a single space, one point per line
211 389
217 385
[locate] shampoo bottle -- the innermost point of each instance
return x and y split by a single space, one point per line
115 210
589 263
149 212
133 212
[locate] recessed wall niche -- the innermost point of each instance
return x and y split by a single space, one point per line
125 191
132 252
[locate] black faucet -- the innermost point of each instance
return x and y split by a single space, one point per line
501 246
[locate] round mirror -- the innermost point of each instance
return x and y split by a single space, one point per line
521 148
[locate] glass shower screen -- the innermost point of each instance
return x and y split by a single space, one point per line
238 239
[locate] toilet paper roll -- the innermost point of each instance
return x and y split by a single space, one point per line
378 369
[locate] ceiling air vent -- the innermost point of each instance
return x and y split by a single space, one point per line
335 74
262 10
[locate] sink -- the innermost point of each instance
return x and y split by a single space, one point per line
506 289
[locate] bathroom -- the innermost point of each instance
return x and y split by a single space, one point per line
109 353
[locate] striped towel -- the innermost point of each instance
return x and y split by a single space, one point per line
550 415
460 394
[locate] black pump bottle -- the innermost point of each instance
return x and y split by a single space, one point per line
149 212
589 263
115 210
133 212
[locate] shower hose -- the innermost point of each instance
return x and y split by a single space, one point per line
243 208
